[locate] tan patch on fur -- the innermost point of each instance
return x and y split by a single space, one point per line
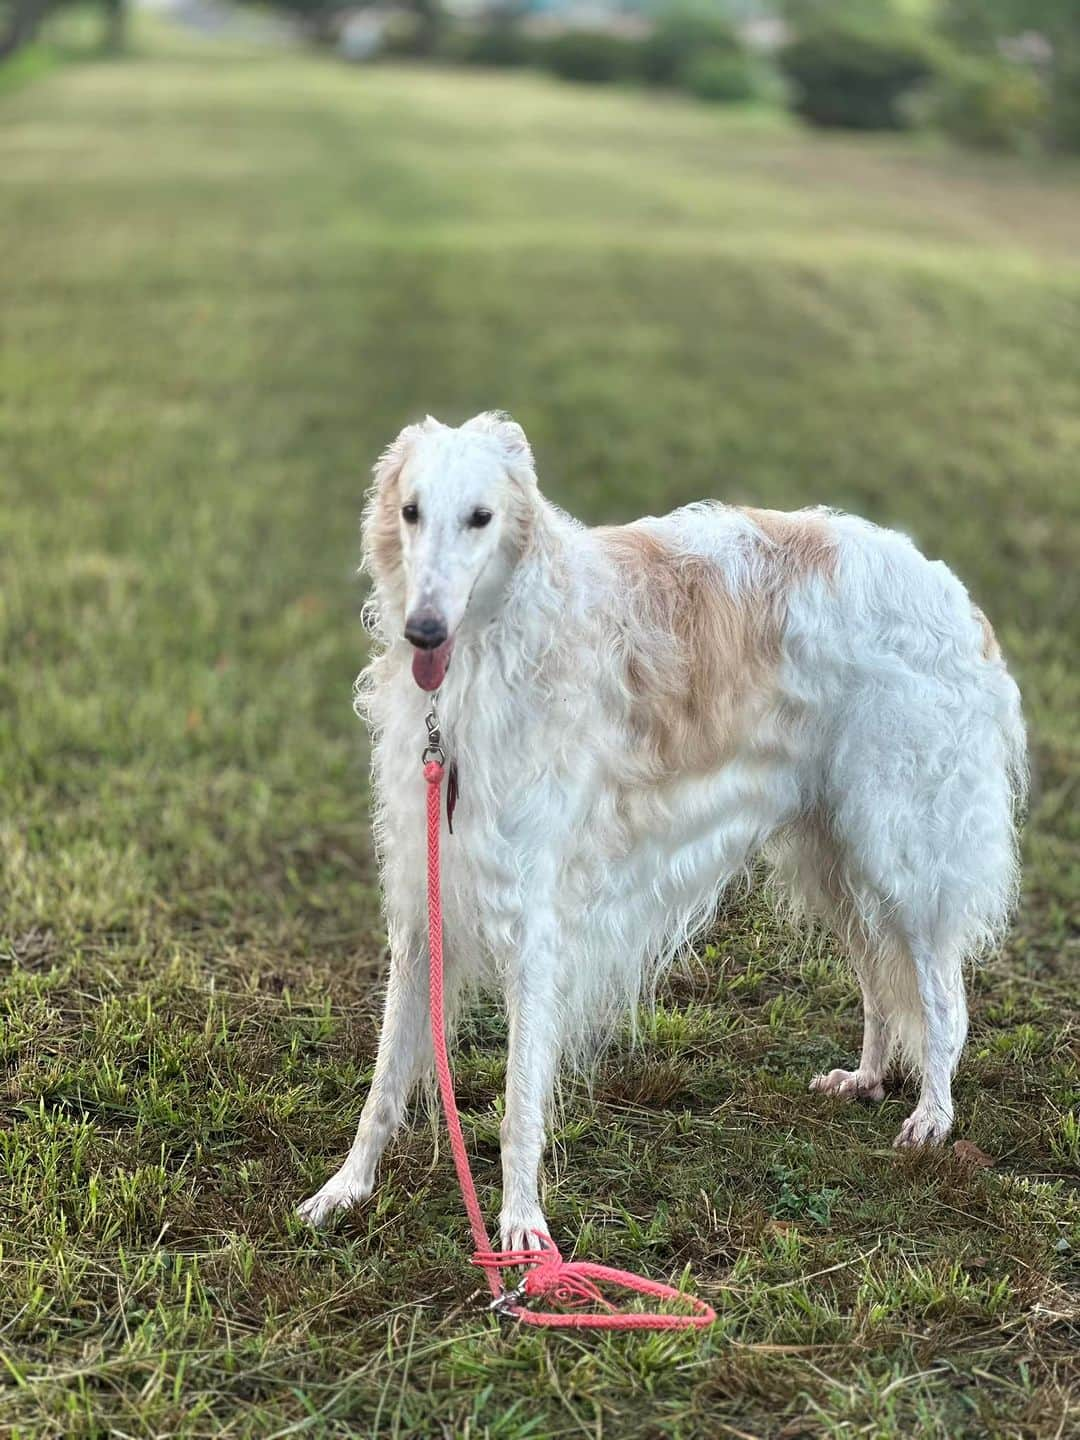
991 650
382 533
706 657
804 541
699 656
384 536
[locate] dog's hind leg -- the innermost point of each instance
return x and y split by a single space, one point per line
404 1053
914 1002
807 866
868 1081
942 1022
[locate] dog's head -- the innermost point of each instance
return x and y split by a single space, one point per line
447 520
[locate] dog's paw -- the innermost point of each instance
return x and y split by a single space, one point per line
849 1085
923 1127
518 1229
339 1193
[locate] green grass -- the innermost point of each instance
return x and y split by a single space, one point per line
26 65
229 279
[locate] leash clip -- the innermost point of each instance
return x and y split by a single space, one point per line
506 1303
433 750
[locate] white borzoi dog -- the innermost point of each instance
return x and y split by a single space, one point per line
636 713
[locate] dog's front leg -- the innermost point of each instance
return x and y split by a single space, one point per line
534 1048
403 1054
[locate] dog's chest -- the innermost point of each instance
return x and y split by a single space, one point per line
520 768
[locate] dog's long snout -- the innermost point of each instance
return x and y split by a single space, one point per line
425 628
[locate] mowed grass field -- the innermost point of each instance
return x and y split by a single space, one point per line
228 279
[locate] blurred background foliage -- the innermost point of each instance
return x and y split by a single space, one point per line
993 74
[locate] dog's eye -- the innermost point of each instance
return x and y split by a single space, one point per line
479 518
410 512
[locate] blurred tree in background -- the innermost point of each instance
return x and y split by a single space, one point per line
1044 33
21 25
423 34
21 22
1003 74
682 35
1000 74
115 25
851 73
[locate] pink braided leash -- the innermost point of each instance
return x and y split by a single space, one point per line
548 1274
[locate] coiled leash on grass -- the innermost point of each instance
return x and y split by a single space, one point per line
573 1282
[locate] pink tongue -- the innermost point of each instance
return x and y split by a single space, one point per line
429 666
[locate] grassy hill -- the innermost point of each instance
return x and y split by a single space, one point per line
229 279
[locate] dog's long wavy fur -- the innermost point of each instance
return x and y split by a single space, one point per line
638 713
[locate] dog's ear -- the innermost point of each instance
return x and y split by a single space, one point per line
379 529
517 456
391 462
509 435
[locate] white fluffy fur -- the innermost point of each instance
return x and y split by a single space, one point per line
879 777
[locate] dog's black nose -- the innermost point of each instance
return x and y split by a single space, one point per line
425 629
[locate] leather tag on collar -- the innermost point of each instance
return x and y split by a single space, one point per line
451 795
